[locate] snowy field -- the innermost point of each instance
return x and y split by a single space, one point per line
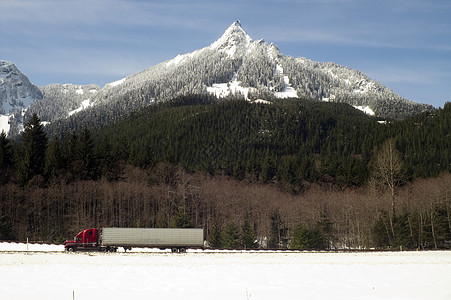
46 272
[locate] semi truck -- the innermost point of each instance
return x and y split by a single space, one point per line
111 238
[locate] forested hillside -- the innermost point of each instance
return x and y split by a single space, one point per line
294 173
289 141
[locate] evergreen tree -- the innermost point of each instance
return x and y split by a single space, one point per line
53 159
215 236
278 234
307 238
6 160
85 164
247 238
268 168
34 143
231 237
182 219
106 159
72 151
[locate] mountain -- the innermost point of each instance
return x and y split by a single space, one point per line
19 99
235 66
63 100
16 95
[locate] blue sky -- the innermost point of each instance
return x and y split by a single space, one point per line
403 44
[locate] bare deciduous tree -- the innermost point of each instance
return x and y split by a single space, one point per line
389 171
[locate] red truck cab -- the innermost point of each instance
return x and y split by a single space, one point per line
84 240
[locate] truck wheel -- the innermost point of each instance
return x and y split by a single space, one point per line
70 249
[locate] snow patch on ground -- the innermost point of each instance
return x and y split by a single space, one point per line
262 101
23 247
181 58
222 90
225 275
115 83
175 61
366 110
288 91
85 104
331 98
4 125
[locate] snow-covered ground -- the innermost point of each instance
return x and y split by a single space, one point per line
288 91
222 275
116 83
84 105
221 90
366 109
4 125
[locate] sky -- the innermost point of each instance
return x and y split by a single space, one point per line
403 44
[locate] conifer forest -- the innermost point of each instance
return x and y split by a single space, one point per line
295 174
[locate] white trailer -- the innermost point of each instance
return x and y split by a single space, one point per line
177 239
111 238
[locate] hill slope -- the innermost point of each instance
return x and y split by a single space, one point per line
291 141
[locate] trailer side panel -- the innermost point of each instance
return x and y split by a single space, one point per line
152 237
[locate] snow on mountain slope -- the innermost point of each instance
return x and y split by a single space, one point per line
223 90
63 100
115 83
366 110
288 91
84 104
236 66
16 95
4 123
235 41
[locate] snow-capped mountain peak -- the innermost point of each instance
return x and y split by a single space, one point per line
234 66
234 40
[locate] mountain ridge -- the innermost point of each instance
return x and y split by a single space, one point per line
234 66
276 72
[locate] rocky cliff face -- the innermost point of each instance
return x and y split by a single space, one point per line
16 95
